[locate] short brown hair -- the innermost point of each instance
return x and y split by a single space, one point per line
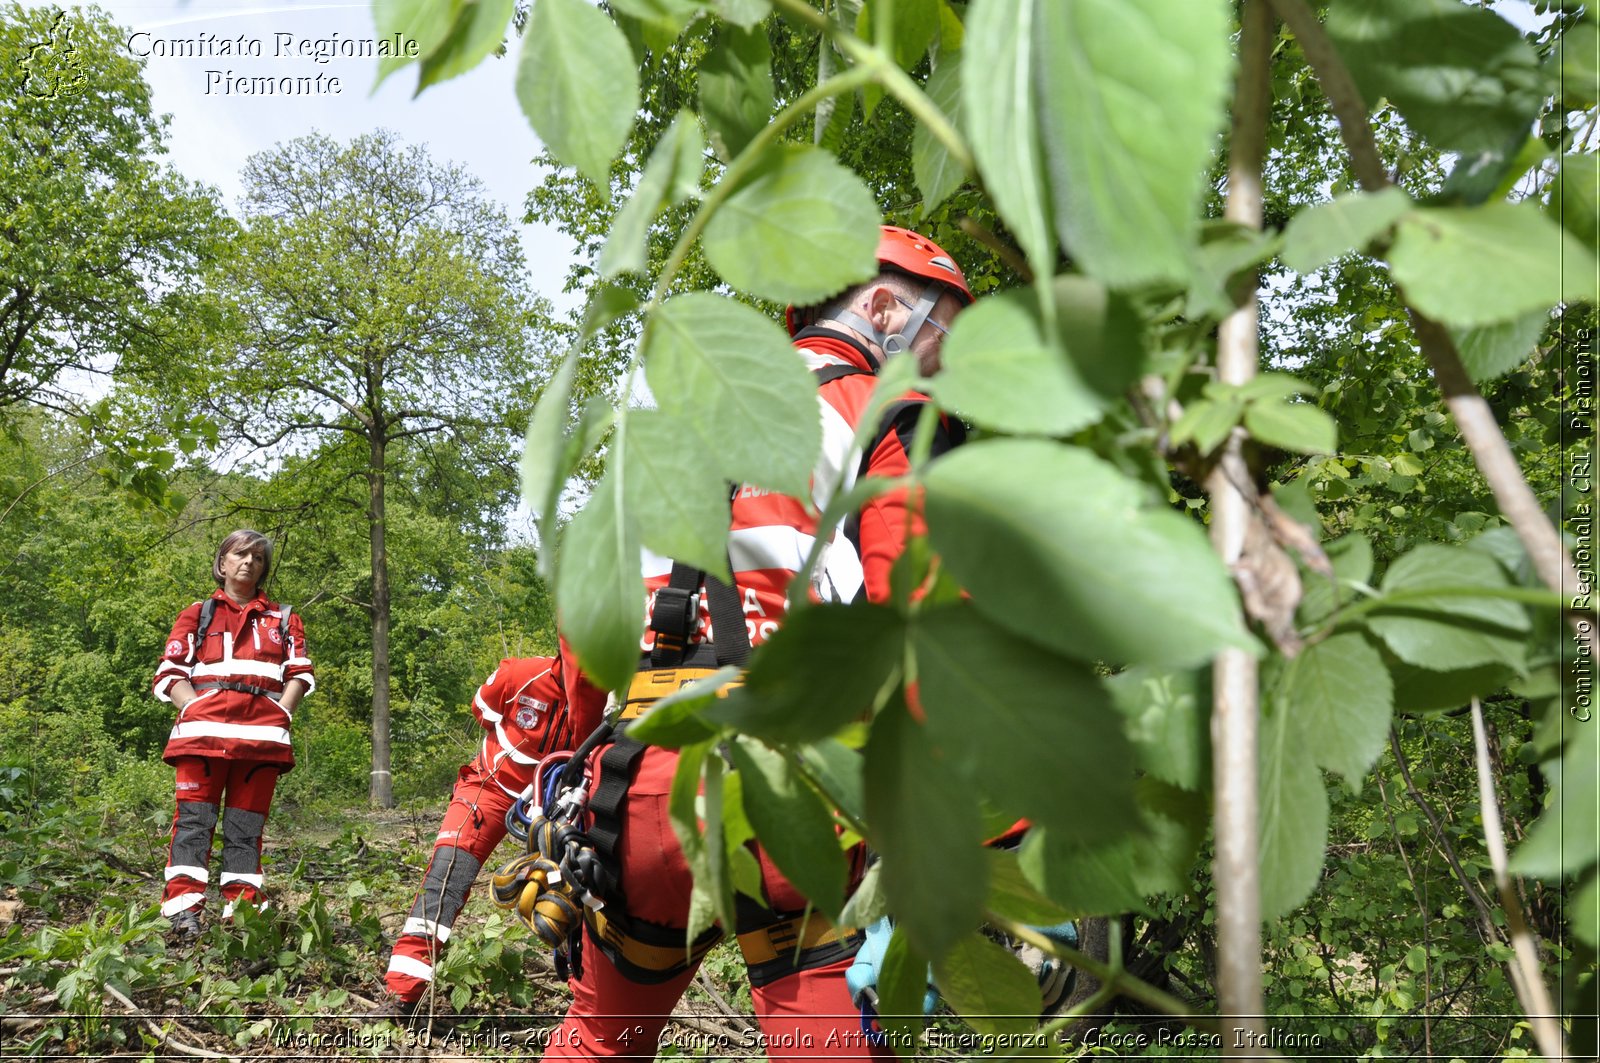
247 538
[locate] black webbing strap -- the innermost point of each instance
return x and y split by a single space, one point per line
242 688
605 803
829 373
675 615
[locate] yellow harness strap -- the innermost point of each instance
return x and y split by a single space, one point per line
650 687
784 939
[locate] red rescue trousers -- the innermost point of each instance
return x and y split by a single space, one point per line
242 791
473 825
803 1006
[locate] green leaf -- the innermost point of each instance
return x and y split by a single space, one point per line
1024 525
1223 267
1565 840
1109 878
597 583
679 718
739 394
1001 123
1005 712
673 495
915 24
1320 234
663 19
1575 197
710 897
1002 371
825 667
1462 76
1207 422
1339 695
988 986
1583 914
835 768
745 13
928 831
1491 351
671 175
1470 266
1576 62
1418 689
838 124
902 984
1129 131
796 831
1168 720
735 85
803 229
427 22
1294 816
478 30
543 470
936 173
1298 427
569 48
1449 631
1265 387
1012 896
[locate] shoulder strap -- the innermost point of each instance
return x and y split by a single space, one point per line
827 374
677 612
208 609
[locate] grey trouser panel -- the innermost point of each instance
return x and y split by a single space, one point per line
241 840
444 888
191 841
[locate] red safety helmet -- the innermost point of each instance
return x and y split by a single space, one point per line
908 252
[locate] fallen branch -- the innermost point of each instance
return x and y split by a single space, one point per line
720 1001
1531 990
162 1035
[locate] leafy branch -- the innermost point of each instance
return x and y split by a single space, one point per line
1473 416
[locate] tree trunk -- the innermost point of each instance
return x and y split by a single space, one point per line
382 792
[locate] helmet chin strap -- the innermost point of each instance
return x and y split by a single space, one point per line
893 343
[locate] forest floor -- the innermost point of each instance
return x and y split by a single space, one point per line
89 970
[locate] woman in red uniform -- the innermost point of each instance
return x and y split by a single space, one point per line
235 666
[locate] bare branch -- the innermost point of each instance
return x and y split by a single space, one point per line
1236 696
1525 975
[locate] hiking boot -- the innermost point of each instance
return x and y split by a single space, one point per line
392 1009
185 925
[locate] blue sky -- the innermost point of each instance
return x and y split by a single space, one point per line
472 120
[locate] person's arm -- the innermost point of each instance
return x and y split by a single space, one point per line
293 691
888 520
299 679
171 682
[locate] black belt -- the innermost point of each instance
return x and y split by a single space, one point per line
243 688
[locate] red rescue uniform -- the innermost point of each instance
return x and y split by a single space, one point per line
231 742
802 1002
529 707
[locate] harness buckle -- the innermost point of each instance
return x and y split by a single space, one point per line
675 615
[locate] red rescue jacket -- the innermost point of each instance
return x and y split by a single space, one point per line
771 534
245 646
